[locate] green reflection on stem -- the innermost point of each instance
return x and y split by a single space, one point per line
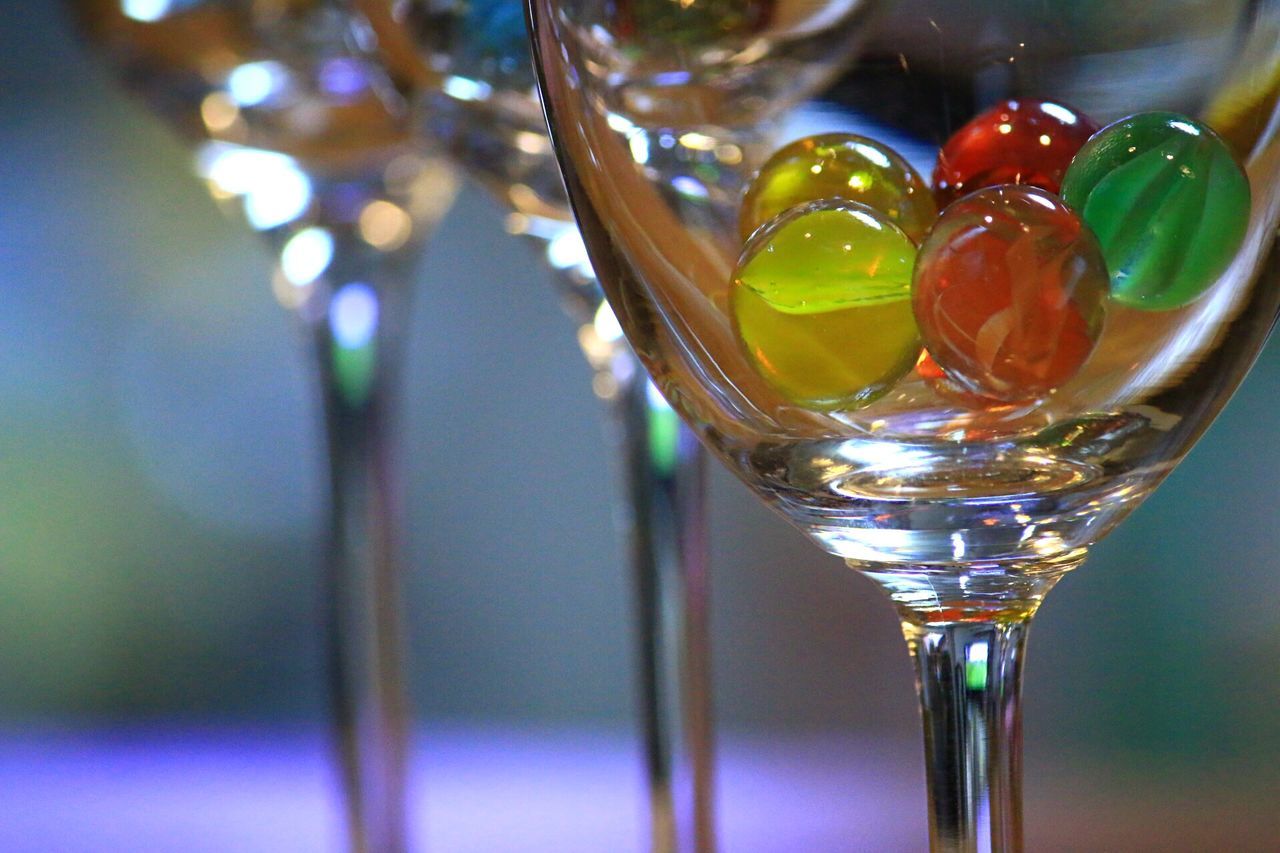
664 436
353 369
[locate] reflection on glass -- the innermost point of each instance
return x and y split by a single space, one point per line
303 137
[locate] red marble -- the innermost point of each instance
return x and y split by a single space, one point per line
1008 292
1015 142
942 384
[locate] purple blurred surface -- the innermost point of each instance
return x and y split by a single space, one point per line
214 789
200 789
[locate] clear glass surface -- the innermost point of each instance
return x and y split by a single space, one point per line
300 133
958 411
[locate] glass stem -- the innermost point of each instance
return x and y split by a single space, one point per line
664 500
358 349
966 628
969 677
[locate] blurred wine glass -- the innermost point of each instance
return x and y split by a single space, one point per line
468 66
959 404
299 132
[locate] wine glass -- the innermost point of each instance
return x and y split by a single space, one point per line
1013 264
299 132
469 65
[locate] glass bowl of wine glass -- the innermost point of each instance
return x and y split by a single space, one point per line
951 289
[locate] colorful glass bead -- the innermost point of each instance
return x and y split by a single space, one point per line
492 40
1008 292
1015 142
839 165
821 301
1168 202
690 24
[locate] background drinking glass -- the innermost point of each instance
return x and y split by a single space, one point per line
300 133
468 66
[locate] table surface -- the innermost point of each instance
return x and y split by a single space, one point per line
197 789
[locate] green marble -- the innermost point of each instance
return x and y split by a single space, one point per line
1168 203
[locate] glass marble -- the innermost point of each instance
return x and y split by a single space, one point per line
1009 291
1020 141
839 165
493 31
821 302
1168 202
687 24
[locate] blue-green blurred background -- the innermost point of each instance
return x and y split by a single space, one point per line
160 509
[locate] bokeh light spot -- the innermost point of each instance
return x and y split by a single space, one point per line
353 316
274 188
306 255
218 112
253 83
146 11
384 225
